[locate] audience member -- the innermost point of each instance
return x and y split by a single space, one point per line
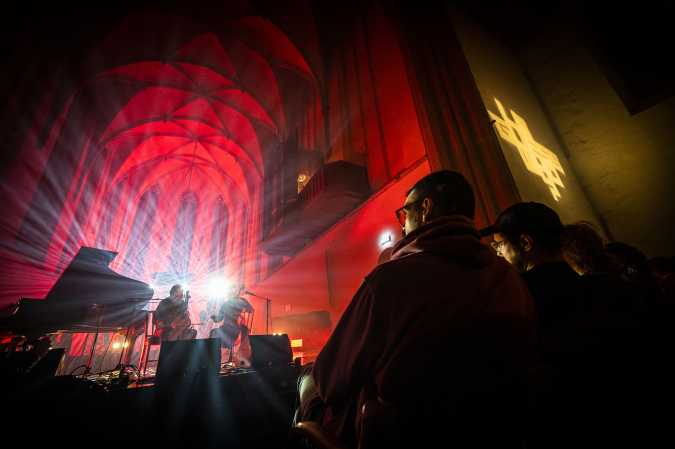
589 327
529 236
584 250
663 273
435 345
630 263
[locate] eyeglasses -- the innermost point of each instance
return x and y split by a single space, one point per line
497 246
402 212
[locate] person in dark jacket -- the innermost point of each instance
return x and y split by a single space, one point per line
529 237
435 343
591 335
173 316
233 331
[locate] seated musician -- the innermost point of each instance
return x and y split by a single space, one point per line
173 318
233 332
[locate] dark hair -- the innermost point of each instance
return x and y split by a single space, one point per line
534 219
583 246
630 261
662 266
450 192
174 289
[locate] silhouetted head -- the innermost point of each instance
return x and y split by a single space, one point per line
583 248
662 267
629 261
526 235
176 291
439 194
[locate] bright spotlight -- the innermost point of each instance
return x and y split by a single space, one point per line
386 239
218 287
116 346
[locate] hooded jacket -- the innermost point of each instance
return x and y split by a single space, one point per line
444 318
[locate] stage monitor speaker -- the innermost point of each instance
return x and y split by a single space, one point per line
270 351
184 361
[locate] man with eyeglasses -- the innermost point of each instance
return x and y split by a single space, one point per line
529 236
588 331
436 341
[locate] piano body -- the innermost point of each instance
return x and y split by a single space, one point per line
88 297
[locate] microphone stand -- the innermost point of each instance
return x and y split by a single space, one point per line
268 310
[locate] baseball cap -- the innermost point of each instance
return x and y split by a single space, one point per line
531 218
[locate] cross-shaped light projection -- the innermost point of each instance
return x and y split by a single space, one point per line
537 158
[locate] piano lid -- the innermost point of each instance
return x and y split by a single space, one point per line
88 280
88 295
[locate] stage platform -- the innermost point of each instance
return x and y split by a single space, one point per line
243 408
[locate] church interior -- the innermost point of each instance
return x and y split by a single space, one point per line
261 148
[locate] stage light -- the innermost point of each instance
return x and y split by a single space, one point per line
116 346
386 239
218 286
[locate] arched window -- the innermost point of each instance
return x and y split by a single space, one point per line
140 236
103 236
110 209
181 246
219 237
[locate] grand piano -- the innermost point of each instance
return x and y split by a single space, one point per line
88 297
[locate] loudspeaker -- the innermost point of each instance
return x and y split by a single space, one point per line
183 361
270 351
